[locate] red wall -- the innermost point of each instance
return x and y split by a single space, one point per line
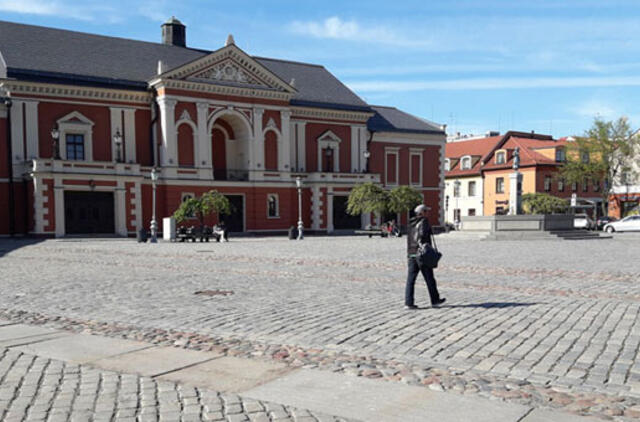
185 145
271 150
313 132
144 155
4 171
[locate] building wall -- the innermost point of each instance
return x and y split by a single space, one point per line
464 202
490 195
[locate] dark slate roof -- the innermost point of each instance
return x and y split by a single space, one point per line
390 119
55 55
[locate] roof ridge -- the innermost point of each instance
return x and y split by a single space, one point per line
287 61
103 36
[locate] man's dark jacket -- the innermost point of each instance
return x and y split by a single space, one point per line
419 233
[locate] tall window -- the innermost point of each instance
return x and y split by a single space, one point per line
272 206
75 147
447 165
547 183
560 155
500 185
456 189
466 163
471 189
500 157
560 185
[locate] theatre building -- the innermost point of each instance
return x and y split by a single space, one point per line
85 118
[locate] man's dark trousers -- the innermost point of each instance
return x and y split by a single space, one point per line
414 269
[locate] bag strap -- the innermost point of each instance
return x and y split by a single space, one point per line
433 239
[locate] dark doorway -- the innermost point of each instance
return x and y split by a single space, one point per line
342 220
235 220
89 213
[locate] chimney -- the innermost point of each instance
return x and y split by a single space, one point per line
174 33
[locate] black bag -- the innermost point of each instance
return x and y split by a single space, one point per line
428 256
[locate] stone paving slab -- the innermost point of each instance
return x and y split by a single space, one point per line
155 361
228 374
81 348
372 400
541 415
17 331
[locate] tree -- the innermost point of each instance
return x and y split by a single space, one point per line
542 203
208 203
403 199
367 198
606 153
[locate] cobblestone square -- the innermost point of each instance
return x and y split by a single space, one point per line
549 322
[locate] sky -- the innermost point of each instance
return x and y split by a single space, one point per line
551 66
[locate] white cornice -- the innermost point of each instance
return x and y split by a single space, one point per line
221 89
89 93
321 113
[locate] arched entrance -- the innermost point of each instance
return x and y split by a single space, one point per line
230 145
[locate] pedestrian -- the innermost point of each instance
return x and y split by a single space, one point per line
419 234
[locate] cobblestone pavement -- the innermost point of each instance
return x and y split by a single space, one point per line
38 389
563 315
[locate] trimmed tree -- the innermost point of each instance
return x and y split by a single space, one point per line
209 203
605 153
403 198
542 203
367 198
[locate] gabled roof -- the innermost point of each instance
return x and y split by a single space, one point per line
390 119
474 148
59 56
528 144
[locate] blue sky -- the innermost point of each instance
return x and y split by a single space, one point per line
546 65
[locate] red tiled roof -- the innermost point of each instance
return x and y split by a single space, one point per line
528 154
475 148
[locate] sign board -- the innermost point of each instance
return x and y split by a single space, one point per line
574 199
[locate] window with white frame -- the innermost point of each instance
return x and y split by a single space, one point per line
560 185
547 183
75 135
500 185
273 210
501 157
466 163
447 165
415 167
561 155
471 189
74 146
456 189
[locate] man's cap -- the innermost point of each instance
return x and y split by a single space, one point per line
420 208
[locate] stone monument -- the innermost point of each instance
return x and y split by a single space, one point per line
515 185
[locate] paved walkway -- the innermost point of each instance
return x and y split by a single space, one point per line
533 323
51 375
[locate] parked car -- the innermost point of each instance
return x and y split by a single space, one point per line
627 224
603 221
583 221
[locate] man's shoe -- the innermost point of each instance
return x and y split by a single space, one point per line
438 303
410 307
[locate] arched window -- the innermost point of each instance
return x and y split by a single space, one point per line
273 210
466 163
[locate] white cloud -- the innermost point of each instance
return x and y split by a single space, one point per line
339 29
596 108
494 83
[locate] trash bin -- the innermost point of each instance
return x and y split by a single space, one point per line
292 233
142 236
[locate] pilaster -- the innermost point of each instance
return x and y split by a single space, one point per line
130 135
169 148
17 132
58 198
284 149
256 150
329 209
31 124
316 207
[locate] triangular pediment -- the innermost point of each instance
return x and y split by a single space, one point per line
229 66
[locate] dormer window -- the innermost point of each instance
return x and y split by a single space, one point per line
447 164
561 155
501 157
466 163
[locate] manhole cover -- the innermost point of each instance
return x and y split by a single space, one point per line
214 292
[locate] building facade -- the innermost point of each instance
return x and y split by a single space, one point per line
85 118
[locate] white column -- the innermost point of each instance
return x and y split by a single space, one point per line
130 135
256 150
138 204
203 142
293 141
284 149
514 198
316 207
31 120
302 142
329 209
17 132
120 209
58 198
169 148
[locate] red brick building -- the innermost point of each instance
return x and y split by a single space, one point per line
84 118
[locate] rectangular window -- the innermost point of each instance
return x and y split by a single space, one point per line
447 165
547 183
500 185
471 212
272 206
456 215
471 190
560 185
391 169
560 155
456 189
415 169
500 157
75 147
466 163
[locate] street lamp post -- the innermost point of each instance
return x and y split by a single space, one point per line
117 139
366 154
154 223
55 135
300 224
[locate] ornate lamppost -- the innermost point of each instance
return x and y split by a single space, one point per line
117 139
300 224
366 154
55 135
154 223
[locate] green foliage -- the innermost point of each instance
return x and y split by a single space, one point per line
208 203
403 199
542 203
366 198
611 147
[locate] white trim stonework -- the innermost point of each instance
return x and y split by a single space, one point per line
328 139
75 123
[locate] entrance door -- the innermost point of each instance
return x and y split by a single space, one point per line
341 219
89 212
235 220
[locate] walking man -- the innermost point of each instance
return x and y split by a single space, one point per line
419 233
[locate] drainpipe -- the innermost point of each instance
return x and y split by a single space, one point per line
12 212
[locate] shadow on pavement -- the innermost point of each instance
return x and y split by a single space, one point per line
8 245
488 305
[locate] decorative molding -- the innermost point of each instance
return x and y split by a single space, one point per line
228 71
221 89
271 124
320 113
185 116
35 88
